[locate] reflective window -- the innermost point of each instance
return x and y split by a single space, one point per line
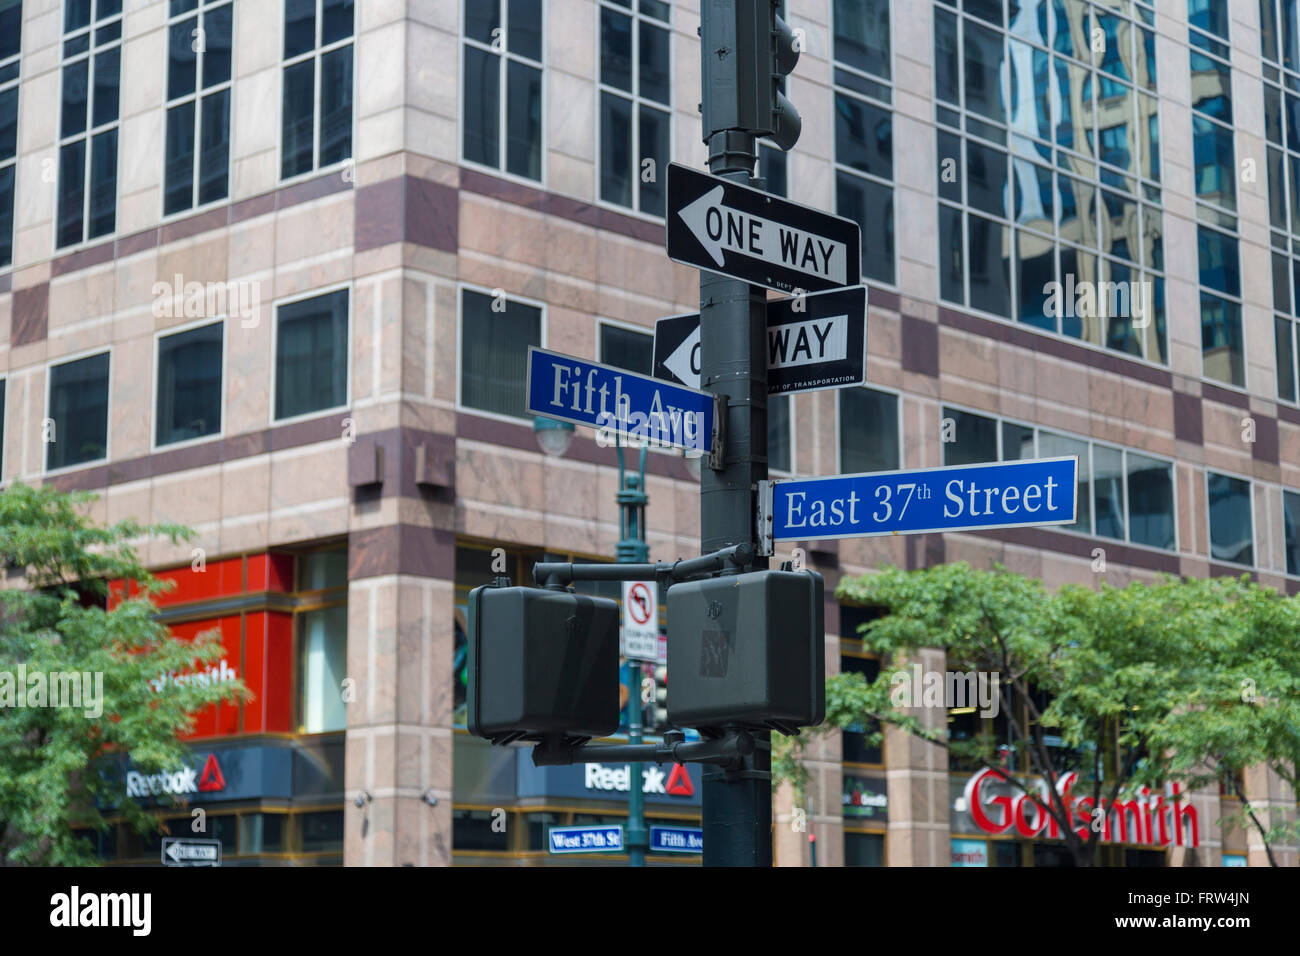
1215 169
635 103
503 85
11 20
78 412
868 430
189 384
864 129
1121 494
316 120
779 424
88 121
1048 168
1231 528
1280 41
626 348
494 352
197 161
1291 529
311 355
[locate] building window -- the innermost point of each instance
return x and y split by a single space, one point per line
780 408
868 430
311 355
1232 536
1291 529
495 335
317 98
323 642
11 24
1215 177
626 348
88 120
635 103
968 438
1121 494
78 412
1280 45
864 849
3 386
1049 169
773 167
189 384
503 85
198 103
864 140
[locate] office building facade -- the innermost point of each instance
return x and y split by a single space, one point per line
270 268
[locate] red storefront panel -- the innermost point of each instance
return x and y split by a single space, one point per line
257 645
268 656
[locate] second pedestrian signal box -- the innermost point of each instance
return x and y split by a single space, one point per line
748 650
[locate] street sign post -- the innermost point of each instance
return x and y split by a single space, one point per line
640 621
618 402
1006 494
722 226
677 839
596 839
178 851
814 342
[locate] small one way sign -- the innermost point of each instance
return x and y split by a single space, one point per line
814 342
722 226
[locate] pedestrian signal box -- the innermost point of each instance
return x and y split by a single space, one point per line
748 650
543 662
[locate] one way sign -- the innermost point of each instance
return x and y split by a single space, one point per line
813 342
747 234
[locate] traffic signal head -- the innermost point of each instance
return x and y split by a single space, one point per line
660 704
746 51
542 663
748 650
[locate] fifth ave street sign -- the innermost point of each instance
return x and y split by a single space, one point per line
813 342
1005 494
615 401
747 234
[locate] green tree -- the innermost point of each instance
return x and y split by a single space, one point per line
1127 688
60 767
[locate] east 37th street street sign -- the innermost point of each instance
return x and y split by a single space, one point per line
621 402
813 342
747 234
1006 494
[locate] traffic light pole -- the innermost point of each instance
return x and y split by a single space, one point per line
733 363
632 549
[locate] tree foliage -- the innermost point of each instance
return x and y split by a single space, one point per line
60 767
1191 681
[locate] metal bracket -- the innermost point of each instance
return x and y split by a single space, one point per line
763 517
718 450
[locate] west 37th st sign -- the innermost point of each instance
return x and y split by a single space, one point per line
722 226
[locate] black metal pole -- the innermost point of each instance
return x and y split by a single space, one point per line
733 362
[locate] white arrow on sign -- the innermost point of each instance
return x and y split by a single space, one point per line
685 360
793 344
717 227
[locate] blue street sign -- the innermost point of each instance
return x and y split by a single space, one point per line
677 839
1006 494
615 401
601 839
